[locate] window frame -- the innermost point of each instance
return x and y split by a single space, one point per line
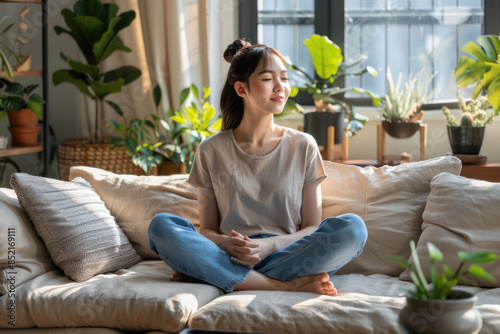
328 22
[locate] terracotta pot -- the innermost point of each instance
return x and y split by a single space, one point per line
400 129
466 139
23 136
456 315
25 117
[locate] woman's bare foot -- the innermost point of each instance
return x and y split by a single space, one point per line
180 277
319 283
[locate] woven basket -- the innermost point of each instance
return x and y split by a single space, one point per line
80 152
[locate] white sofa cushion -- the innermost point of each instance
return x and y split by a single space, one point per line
140 298
461 214
135 200
365 304
81 236
390 200
30 255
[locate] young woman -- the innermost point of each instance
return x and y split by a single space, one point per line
259 195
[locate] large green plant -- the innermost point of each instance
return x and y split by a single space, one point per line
329 66
443 283
197 122
95 27
482 71
18 97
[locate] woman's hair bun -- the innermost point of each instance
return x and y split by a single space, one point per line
233 48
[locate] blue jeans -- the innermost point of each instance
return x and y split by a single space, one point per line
337 241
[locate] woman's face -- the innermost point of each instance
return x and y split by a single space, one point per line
267 88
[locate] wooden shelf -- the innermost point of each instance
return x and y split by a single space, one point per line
17 150
28 1
38 73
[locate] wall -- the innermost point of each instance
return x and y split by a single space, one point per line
363 145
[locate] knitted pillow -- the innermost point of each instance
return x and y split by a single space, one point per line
80 234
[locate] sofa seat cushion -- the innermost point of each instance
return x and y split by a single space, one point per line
365 304
140 298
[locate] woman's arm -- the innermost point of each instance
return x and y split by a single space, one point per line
311 217
209 228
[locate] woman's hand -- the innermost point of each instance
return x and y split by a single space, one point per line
243 250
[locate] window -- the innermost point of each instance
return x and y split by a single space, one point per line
408 35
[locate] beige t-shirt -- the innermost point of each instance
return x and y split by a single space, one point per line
257 194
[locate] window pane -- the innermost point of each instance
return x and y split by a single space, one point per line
410 35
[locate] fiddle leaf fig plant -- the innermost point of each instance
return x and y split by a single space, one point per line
443 283
483 70
95 27
329 67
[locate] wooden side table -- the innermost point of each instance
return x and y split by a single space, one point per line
486 172
381 157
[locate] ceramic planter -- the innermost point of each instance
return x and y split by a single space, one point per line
317 123
455 315
466 139
401 129
23 127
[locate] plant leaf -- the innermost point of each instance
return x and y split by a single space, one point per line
481 273
434 252
326 55
157 95
478 257
403 262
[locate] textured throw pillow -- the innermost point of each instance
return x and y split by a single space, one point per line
135 200
390 200
80 234
23 255
461 215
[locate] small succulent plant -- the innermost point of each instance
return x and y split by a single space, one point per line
473 113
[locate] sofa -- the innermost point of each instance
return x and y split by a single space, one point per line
75 258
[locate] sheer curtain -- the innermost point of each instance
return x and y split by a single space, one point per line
174 43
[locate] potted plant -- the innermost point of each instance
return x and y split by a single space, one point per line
197 122
483 72
453 309
94 27
330 107
144 142
400 110
466 136
23 63
24 109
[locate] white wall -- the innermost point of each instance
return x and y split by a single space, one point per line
363 146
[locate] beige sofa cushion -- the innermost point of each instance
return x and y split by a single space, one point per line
140 298
365 304
461 215
81 236
135 200
28 253
390 200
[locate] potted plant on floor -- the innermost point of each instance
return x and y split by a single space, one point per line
400 110
94 27
466 137
454 309
330 107
24 109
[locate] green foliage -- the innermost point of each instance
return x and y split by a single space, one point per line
473 113
401 104
443 283
4 62
95 27
18 97
197 122
329 67
483 70
139 137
